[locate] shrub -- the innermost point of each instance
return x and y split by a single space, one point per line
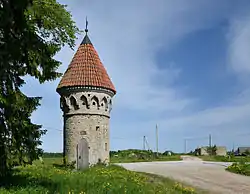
240 168
183 189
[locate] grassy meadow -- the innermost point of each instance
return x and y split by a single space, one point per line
226 158
240 163
130 160
133 155
51 177
136 159
239 168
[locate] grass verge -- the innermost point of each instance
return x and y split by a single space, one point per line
49 178
225 158
131 160
239 168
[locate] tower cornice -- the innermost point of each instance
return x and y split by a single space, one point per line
74 89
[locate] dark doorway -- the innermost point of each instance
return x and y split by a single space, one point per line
82 154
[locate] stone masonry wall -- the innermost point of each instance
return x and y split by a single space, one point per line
86 103
86 115
94 128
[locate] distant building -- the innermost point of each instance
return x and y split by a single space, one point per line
221 151
168 153
242 151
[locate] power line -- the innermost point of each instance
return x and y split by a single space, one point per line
191 138
210 139
195 138
243 134
118 138
146 141
51 128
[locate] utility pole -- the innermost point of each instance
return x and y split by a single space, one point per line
210 140
185 146
156 131
144 142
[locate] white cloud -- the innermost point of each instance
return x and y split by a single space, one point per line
127 36
213 118
239 47
233 116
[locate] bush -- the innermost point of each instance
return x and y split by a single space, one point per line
240 168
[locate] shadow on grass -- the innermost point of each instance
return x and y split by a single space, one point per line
60 166
13 181
63 166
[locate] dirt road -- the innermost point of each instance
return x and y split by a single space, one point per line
210 176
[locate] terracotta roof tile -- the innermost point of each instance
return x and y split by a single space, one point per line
86 69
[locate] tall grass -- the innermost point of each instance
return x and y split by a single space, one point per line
239 168
51 177
226 158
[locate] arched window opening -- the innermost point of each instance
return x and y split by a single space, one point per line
95 102
106 147
104 103
85 101
74 103
63 104
110 105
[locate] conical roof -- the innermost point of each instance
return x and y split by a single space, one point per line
86 69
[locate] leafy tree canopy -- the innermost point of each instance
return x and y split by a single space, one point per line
31 33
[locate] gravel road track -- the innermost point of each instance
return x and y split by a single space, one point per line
210 176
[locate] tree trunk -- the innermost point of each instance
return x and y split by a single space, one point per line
3 160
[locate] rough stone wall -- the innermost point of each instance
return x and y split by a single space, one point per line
86 103
203 151
221 151
86 115
94 128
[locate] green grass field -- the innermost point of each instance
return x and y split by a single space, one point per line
239 165
160 158
225 158
239 168
51 178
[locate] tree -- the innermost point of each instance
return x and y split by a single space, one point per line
212 150
31 33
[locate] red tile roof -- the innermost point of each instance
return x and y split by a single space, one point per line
86 69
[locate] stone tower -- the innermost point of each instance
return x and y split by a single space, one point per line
86 101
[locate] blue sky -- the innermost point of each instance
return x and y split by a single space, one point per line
184 65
